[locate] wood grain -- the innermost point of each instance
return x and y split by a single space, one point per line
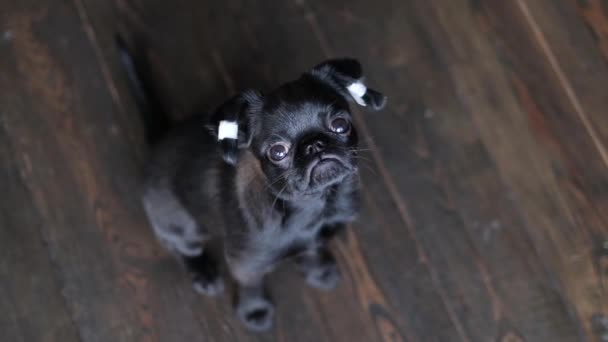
32 303
536 140
430 109
484 211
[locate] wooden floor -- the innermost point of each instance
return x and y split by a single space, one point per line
486 188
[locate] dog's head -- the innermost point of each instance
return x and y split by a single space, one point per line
302 133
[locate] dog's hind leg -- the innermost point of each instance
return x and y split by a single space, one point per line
179 232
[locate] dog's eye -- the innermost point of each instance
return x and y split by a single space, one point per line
278 152
339 125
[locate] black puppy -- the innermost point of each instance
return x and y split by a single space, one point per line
272 174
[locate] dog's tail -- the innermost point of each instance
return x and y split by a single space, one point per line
138 71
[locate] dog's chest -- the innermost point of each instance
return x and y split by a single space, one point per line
303 220
297 228
301 225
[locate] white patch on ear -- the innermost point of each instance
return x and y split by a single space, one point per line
227 130
357 90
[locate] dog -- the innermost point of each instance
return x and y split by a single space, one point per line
275 175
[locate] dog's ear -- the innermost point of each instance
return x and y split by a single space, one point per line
345 75
232 124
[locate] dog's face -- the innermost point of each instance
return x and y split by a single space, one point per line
303 132
304 138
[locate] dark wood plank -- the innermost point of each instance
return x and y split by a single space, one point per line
595 15
535 132
81 173
32 305
571 52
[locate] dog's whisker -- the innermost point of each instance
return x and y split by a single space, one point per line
367 164
362 158
358 156
277 198
282 176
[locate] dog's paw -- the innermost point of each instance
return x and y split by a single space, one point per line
208 286
324 277
257 314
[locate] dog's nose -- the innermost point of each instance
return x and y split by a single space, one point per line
314 147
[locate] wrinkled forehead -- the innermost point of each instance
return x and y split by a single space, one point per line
298 106
293 118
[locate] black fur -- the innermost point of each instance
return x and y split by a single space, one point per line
266 211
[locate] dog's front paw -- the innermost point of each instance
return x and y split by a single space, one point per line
324 277
205 273
256 313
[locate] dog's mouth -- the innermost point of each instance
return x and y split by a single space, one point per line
326 170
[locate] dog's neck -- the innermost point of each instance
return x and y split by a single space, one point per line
308 199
